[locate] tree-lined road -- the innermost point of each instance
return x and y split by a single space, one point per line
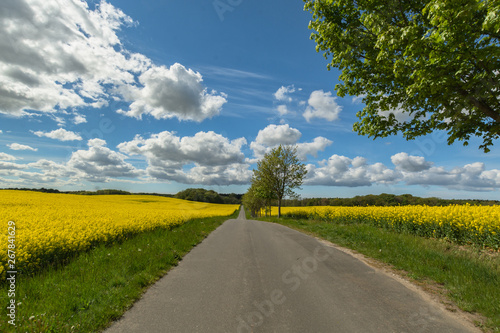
251 276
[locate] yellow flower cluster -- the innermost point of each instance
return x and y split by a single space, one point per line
464 224
49 226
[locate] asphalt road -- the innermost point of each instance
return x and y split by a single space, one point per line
251 276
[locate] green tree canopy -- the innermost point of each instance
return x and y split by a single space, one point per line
420 65
253 201
278 173
200 194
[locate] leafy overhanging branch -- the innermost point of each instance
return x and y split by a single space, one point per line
437 61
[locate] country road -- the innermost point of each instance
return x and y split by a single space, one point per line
251 276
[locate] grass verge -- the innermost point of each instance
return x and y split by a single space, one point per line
469 277
98 286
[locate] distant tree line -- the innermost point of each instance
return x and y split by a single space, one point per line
210 196
50 190
44 190
192 194
101 192
384 199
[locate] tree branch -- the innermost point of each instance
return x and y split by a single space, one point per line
481 106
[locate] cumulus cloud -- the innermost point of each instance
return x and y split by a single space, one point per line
96 164
99 163
205 158
322 105
233 174
7 157
208 158
282 110
47 48
9 166
275 135
472 177
344 171
174 92
17 146
400 115
79 119
59 134
408 163
282 93
206 148
49 172
312 148
285 102
63 55
411 170
52 170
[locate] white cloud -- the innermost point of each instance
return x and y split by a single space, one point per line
208 158
282 110
48 47
60 134
312 148
232 74
206 148
79 119
7 157
100 163
358 99
205 158
380 174
322 105
97 164
63 55
282 93
174 92
17 146
471 177
10 167
54 170
411 170
51 173
408 163
400 115
344 171
275 135
233 174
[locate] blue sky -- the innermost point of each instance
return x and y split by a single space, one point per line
159 96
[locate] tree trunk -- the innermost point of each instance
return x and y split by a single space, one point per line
279 208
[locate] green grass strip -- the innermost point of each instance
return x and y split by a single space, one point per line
470 277
98 286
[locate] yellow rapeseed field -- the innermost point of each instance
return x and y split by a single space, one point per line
51 226
463 224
